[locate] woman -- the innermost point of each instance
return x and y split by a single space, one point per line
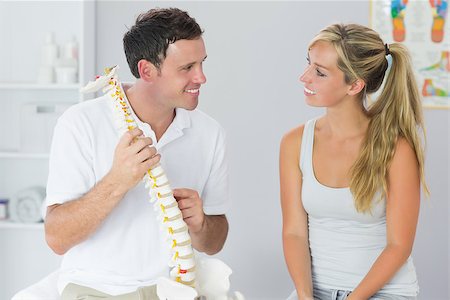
350 180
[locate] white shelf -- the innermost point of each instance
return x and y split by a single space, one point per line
37 86
13 225
24 155
22 245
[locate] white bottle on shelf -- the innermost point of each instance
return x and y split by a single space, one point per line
70 49
49 55
67 66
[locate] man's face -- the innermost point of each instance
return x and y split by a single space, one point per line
181 74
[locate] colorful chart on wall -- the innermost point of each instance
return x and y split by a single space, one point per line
424 27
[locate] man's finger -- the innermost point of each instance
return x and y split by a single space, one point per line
145 154
151 162
185 203
188 213
184 193
129 136
140 143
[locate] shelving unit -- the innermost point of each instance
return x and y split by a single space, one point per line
37 86
21 155
24 256
18 79
13 225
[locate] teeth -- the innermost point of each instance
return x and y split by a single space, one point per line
193 91
309 91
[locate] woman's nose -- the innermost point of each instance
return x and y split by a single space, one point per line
304 77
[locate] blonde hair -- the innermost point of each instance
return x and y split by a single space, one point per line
397 112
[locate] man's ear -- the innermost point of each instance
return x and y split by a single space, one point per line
356 87
147 70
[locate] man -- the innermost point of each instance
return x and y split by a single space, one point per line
98 212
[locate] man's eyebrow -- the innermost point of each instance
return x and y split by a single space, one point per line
191 63
185 65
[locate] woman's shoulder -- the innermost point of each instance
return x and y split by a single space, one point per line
404 154
291 144
294 136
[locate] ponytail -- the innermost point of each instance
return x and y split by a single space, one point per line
397 112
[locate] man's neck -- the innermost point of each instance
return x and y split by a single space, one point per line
149 111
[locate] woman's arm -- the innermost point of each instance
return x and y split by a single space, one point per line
402 211
295 220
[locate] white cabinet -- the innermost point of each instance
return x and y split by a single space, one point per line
29 110
24 257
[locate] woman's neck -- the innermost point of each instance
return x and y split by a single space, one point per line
346 120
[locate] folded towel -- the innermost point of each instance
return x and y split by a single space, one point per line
26 205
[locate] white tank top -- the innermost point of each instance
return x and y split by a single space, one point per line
344 243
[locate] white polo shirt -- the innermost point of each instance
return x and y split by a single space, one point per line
128 250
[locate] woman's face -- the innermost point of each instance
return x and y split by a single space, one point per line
323 80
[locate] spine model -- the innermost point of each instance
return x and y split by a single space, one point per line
182 260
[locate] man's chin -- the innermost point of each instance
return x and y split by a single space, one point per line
191 106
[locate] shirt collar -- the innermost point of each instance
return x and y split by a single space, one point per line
181 121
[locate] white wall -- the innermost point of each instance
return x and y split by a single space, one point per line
256 51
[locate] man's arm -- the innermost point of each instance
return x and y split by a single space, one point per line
70 223
208 232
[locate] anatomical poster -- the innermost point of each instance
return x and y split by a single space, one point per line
423 27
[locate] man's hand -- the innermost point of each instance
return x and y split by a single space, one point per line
72 222
191 207
208 232
133 157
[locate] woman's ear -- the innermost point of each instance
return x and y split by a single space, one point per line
356 87
147 71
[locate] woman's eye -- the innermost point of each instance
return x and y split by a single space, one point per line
320 73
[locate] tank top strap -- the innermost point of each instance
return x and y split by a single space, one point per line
307 146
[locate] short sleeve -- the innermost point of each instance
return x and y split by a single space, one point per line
216 193
71 172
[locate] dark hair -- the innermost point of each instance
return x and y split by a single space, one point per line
153 32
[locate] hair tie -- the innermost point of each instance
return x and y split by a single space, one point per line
386 50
